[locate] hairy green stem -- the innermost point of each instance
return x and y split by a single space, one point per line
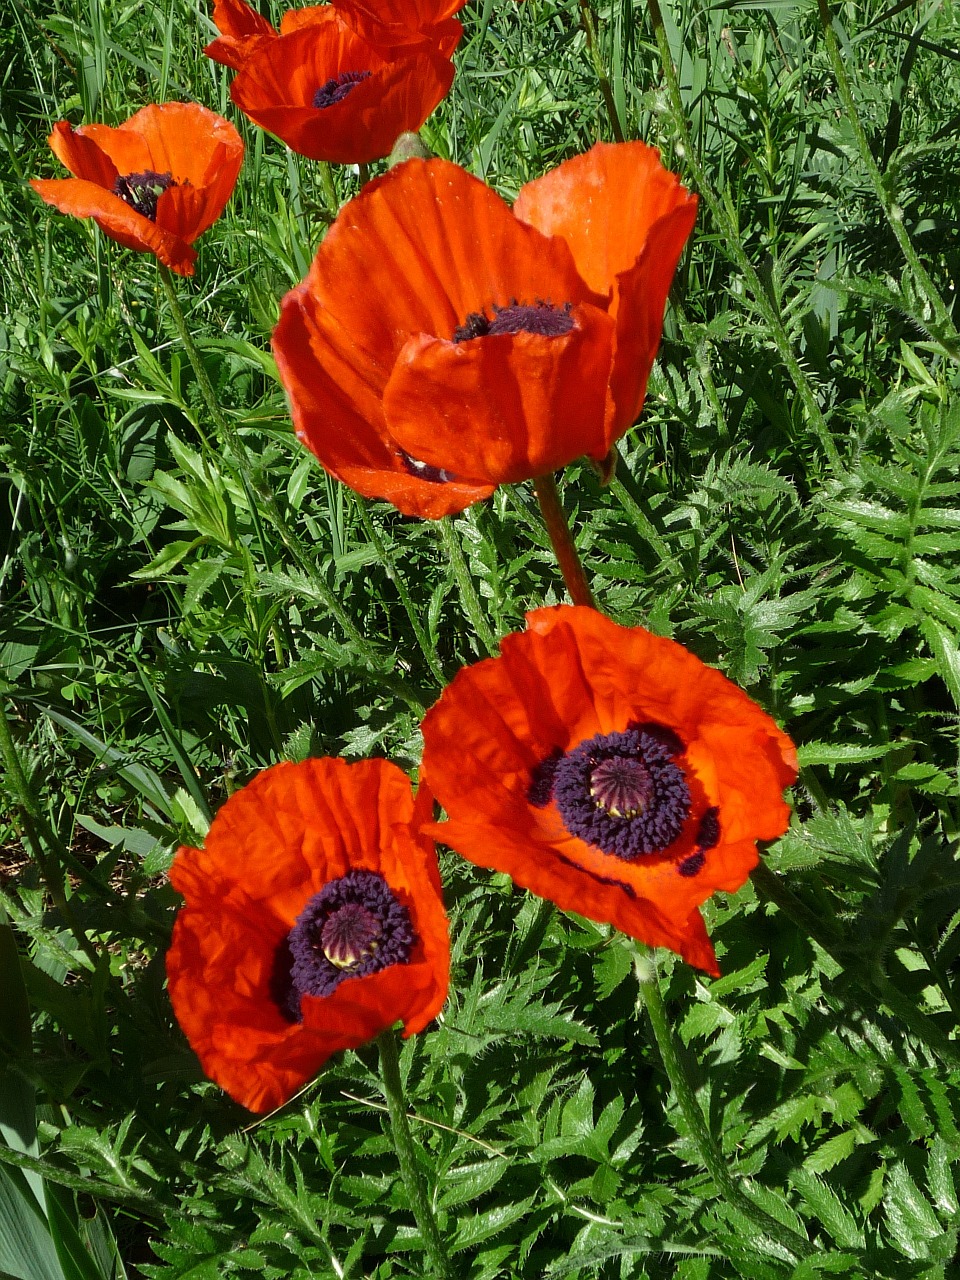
590 31
38 834
561 540
891 211
772 887
727 225
706 1144
407 1156
468 592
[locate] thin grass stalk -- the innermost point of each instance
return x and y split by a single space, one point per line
589 25
891 210
564 547
39 835
469 598
407 1156
727 225
708 1149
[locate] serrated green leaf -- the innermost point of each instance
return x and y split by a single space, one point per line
823 1201
910 1219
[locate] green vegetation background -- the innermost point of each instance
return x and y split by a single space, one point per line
788 508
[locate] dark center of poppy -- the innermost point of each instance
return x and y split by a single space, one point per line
141 191
354 926
335 90
620 792
538 317
424 471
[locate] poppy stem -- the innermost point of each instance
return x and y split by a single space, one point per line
407 1156
564 547
468 592
706 1144
590 31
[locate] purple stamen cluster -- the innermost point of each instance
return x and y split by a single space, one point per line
354 926
538 317
142 191
621 792
336 89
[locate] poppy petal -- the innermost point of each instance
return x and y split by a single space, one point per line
189 142
574 678
272 848
242 29
640 296
537 400
78 151
120 222
395 23
604 203
631 257
236 18
312 16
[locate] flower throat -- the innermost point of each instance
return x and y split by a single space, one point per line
142 191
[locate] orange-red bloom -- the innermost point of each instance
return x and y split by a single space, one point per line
330 95
609 770
313 921
442 345
155 183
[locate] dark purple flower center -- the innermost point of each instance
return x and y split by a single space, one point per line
423 470
620 792
538 317
335 90
141 191
354 926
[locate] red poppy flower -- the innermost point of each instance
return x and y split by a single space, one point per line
330 95
313 921
155 183
442 345
609 770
